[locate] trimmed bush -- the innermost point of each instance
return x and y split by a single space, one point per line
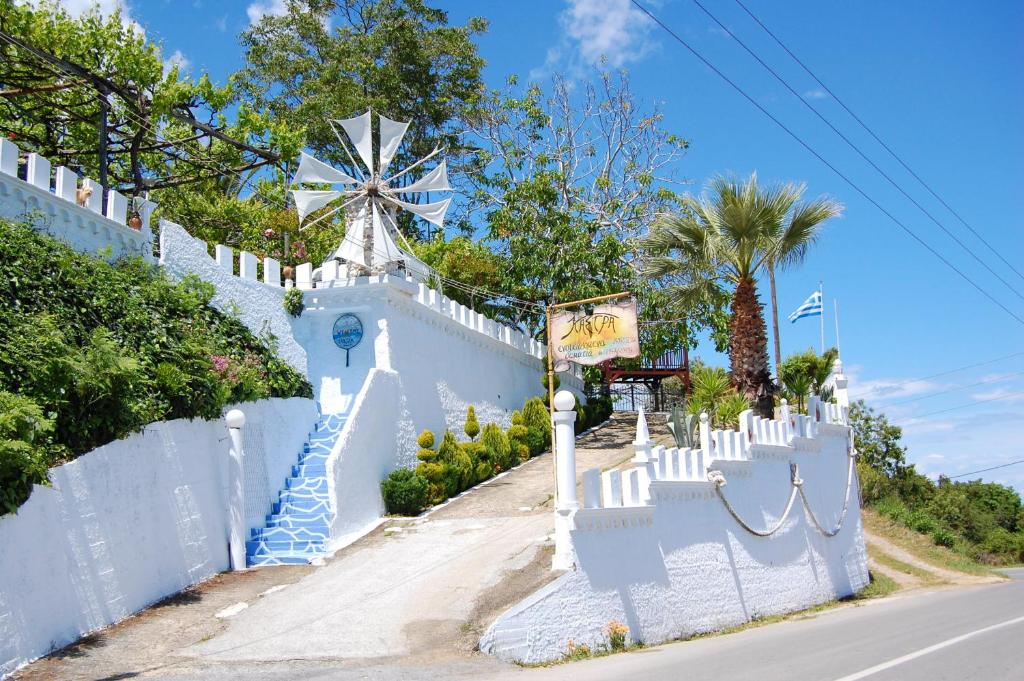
426 443
294 303
498 448
404 492
472 426
538 425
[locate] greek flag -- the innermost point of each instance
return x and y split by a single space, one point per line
810 308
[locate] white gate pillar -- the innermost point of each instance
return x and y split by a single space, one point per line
235 419
565 446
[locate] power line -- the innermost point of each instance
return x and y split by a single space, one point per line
985 470
1008 396
879 140
829 165
857 149
941 373
520 305
998 379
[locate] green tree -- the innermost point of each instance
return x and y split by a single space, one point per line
807 373
328 59
565 178
878 442
472 264
472 426
726 239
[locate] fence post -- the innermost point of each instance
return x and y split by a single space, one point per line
567 505
235 419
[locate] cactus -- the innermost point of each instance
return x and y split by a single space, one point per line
683 427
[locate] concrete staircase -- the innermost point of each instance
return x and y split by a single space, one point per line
300 521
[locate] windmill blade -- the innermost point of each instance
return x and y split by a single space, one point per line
385 250
311 170
352 246
360 131
434 181
307 201
391 134
431 212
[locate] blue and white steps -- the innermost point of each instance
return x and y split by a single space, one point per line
299 524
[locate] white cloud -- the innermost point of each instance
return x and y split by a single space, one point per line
262 8
596 30
816 94
178 59
222 24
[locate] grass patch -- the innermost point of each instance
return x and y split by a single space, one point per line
879 587
921 546
888 561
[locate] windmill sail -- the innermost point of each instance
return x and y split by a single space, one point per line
312 170
431 212
307 200
391 134
368 204
352 246
434 181
360 131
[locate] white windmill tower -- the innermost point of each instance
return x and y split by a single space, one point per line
372 201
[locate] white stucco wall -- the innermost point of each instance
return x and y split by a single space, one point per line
46 200
681 564
130 523
259 306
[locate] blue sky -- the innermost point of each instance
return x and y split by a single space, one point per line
939 81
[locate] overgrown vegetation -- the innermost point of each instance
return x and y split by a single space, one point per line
980 521
91 352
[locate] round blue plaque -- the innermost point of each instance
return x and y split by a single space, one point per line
347 333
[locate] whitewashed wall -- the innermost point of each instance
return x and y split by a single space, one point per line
47 201
661 554
130 523
259 305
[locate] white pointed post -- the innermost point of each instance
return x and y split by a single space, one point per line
840 382
234 420
642 444
567 505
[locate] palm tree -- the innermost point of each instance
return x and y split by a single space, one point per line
793 236
726 239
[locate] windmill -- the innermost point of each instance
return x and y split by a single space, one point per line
372 200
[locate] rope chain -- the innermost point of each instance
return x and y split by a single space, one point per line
797 485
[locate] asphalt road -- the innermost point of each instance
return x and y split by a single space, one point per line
959 634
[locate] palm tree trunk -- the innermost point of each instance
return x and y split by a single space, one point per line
748 348
775 320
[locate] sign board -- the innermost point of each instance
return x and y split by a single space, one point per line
347 332
609 331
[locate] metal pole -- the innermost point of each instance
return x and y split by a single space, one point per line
551 400
835 303
821 295
104 109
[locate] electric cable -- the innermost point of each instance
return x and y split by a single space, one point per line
828 164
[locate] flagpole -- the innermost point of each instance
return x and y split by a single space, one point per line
835 303
821 295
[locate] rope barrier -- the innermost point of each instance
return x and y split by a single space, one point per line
797 485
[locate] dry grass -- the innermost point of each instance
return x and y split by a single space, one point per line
921 546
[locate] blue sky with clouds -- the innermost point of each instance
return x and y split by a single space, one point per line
939 81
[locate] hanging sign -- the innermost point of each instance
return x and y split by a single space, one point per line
347 332
609 331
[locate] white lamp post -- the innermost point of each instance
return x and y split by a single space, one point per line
565 446
235 419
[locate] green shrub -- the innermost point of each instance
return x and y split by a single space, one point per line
426 443
517 418
944 537
457 462
24 459
104 349
294 302
518 435
472 427
498 447
538 424
873 483
404 492
919 521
